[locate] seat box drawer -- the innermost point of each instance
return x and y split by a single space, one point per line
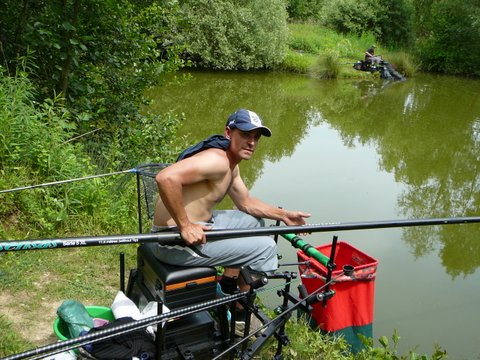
177 286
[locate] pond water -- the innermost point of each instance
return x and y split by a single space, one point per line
350 151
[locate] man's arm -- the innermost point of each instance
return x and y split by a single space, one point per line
171 182
255 207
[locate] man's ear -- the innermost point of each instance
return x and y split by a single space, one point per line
228 132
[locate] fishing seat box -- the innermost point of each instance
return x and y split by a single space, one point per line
175 286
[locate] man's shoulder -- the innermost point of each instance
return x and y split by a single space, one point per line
208 164
213 163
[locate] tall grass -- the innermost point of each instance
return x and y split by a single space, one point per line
328 66
404 63
297 62
315 39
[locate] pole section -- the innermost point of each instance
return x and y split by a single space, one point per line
308 249
171 238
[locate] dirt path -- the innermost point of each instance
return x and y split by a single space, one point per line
34 328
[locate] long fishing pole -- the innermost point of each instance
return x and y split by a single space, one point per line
174 238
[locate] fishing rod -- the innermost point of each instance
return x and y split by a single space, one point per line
174 238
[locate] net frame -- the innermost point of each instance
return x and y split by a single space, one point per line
147 190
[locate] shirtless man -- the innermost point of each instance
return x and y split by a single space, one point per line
191 188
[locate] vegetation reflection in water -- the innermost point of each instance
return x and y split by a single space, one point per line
426 132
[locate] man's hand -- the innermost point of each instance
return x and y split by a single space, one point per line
194 234
295 217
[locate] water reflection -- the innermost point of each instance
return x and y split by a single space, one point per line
429 141
425 131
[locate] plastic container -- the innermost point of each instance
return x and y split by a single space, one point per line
99 312
350 311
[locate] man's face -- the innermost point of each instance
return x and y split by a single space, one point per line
243 143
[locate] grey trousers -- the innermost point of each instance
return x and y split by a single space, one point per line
259 253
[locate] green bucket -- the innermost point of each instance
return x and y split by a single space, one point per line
100 312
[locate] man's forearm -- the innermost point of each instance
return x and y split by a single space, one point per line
258 208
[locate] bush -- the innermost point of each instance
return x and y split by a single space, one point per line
237 35
389 20
352 16
395 22
37 149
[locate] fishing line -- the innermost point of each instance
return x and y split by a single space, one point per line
67 181
81 135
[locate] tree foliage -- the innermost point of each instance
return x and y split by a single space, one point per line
100 55
351 16
304 9
72 77
452 43
232 35
395 22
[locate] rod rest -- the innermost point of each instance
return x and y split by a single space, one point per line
249 280
287 275
322 296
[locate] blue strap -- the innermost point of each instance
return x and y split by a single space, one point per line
214 141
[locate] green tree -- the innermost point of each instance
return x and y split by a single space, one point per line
233 35
396 23
422 17
452 43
